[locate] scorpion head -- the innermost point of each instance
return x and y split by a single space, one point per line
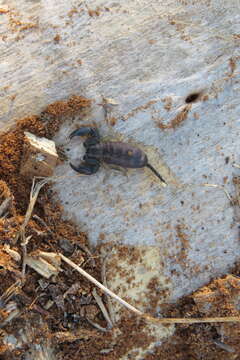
91 164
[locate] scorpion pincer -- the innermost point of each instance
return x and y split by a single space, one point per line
115 153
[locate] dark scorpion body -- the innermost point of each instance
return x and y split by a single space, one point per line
115 153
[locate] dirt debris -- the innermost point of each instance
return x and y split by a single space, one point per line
93 13
57 38
139 108
3 11
205 341
177 121
167 103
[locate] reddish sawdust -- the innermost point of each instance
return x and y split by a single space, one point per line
63 325
177 121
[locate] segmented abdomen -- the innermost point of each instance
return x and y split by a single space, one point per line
120 154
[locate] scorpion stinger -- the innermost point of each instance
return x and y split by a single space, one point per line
156 173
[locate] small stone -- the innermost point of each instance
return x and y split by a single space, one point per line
49 304
39 156
66 246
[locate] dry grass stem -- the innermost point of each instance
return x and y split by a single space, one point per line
33 198
104 281
42 222
212 186
223 346
236 199
140 313
9 293
13 314
103 309
87 251
5 205
9 306
98 284
236 182
192 320
97 326
67 336
14 254
221 188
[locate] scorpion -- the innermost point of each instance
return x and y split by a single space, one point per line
115 153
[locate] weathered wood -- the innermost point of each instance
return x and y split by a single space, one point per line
39 156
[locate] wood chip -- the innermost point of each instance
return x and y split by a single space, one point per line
39 156
46 264
13 253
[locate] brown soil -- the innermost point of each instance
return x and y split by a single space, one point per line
56 310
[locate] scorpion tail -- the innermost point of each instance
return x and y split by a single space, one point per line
156 173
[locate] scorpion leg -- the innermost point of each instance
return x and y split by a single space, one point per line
110 168
86 130
119 169
88 167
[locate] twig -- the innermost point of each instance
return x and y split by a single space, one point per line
107 105
103 309
40 233
236 182
86 250
4 206
33 198
9 293
24 251
13 314
140 313
213 186
236 207
97 326
42 222
104 281
220 187
192 320
223 346
91 261
13 253
98 284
